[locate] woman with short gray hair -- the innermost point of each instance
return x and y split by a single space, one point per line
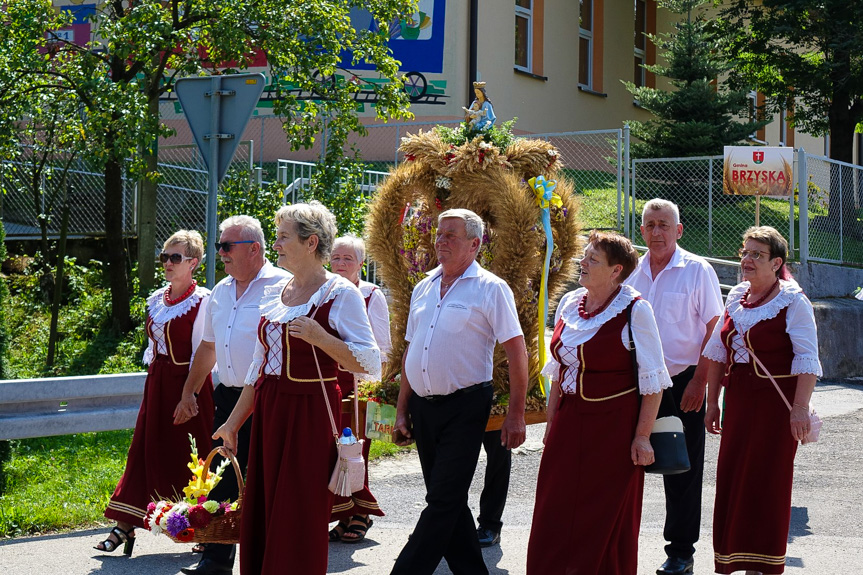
312 325
352 513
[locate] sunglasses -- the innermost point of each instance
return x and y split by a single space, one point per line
174 258
226 246
754 254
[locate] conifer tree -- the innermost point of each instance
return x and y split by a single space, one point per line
696 117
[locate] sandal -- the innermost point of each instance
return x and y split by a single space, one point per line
125 537
338 531
357 529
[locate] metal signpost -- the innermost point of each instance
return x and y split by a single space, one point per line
218 109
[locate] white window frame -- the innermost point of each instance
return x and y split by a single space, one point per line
752 96
587 35
640 53
783 127
526 14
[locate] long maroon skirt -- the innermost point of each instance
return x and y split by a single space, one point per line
156 467
588 493
754 474
286 507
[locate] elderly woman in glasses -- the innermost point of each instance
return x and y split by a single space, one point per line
156 465
311 325
352 513
767 319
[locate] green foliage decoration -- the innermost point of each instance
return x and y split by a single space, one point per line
500 136
695 118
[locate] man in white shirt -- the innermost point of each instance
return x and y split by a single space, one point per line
457 313
684 292
230 334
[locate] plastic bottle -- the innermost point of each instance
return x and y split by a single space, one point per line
347 437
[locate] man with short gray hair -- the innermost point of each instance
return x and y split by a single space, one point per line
457 313
230 334
684 292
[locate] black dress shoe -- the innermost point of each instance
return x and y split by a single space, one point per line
208 567
487 537
677 566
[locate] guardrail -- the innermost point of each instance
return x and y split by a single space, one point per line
64 405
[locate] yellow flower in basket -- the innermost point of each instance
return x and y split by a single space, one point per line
197 485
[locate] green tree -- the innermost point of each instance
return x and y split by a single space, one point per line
806 57
139 49
695 118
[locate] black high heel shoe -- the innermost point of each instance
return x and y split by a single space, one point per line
125 537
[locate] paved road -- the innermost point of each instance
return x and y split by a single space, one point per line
826 535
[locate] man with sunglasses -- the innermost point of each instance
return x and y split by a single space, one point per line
230 333
684 292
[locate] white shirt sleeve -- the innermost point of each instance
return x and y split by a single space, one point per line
714 349
198 326
551 369
800 324
501 312
209 333
710 295
379 316
149 354
652 374
257 362
348 317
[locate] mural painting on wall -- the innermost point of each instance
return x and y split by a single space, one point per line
417 41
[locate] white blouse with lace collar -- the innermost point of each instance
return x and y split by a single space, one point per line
799 323
161 314
652 374
347 316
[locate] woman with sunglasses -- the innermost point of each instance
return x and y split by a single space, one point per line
310 325
766 317
156 464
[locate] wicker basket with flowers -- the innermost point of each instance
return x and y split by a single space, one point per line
194 518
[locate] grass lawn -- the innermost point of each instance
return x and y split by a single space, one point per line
64 482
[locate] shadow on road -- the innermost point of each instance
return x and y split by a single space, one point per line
799 523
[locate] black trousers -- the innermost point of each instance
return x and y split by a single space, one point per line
449 434
496 483
225 399
683 491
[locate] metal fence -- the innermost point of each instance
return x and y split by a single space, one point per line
822 220
832 209
27 200
713 222
181 195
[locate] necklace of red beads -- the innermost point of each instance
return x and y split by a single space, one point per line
582 305
187 293
744 301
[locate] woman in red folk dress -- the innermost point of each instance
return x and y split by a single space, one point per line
600 414
352 513
156 465
287 505
767 315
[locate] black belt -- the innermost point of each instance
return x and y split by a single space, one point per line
456 393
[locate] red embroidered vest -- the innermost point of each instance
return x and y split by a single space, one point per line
605 365
178 336
770 341
298 363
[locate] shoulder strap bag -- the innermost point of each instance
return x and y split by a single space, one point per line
667 437
348 476
814 420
